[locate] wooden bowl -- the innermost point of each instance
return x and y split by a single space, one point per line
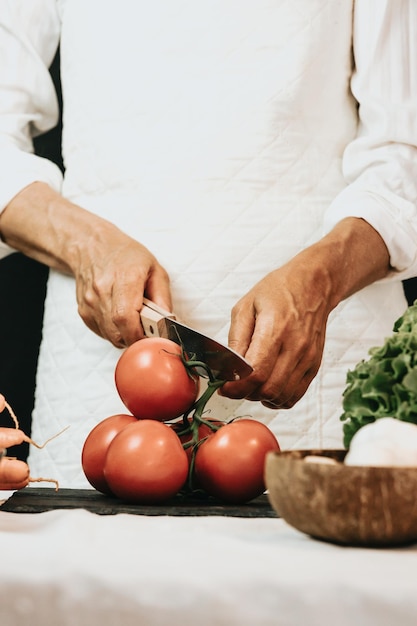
357 506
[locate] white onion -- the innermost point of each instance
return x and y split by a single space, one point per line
386 442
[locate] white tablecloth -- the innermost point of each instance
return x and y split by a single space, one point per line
73 567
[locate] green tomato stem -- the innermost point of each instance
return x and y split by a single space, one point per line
197 419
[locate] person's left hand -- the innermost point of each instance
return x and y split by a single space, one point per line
279 326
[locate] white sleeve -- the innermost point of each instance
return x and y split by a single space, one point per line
29 37
380 165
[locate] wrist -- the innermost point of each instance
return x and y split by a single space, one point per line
353 255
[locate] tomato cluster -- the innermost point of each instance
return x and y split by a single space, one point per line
165 446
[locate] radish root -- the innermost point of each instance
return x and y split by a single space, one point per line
25 438
5 405
45 480
20 437
40 446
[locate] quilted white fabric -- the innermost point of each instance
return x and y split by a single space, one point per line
222 157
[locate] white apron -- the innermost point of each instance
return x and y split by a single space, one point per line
221 157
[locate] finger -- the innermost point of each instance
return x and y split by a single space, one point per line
158 289
124 326
284 370
289 397
242 326
111 309
94 319
263 353
129 302
97 324
281 384
87 305
279 392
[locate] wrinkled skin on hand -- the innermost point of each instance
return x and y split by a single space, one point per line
279 326
112 270
110 288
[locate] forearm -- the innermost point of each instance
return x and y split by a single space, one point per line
112 270
48 228
350 257
280 324
380 163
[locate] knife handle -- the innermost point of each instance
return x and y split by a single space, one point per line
153 318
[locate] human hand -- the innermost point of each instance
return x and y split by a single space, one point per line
279 326
112 271
111 279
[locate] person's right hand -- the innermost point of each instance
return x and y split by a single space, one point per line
112 276
112 271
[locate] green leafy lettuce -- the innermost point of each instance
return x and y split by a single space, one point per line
385 385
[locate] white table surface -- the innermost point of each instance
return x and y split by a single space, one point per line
73 567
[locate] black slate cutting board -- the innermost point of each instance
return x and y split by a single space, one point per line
39 500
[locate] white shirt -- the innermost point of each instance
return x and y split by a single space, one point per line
213 132
380 165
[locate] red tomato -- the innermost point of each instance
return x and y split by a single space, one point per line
146 463
95 449
153 382
229 465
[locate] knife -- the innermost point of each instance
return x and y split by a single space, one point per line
225 363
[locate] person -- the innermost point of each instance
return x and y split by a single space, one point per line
251 166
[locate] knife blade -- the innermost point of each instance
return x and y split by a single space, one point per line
225 363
